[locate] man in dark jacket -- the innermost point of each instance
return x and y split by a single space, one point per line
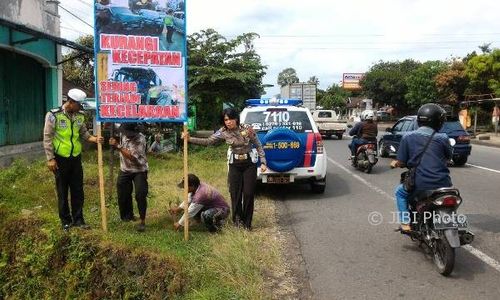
363 132
432 172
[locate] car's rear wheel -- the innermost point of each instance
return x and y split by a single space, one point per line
460 160
318 186
339 136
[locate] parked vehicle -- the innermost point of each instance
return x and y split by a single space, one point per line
437 227
329 124
291 141
383 115
389 143
366 157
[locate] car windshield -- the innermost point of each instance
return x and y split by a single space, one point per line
297 121
451 126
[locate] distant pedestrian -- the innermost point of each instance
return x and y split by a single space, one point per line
63 129
133 173
156 146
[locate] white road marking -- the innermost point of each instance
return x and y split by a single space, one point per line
484 168
490 261
477 253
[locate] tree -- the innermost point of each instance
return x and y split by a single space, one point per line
219 71
483 72
485 48
313 80
421 84
287 76
452 82
333 97
80 70
385 82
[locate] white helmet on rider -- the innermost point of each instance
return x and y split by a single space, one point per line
367 115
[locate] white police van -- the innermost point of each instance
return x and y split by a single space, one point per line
291 140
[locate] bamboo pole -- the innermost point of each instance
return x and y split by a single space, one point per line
186 204
111 166
101 180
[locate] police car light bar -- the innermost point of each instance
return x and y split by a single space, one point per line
273 102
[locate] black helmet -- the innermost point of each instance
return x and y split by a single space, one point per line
431 115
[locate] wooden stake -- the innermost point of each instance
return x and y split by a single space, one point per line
111 166
186 204
101 180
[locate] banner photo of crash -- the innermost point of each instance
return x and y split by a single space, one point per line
140 60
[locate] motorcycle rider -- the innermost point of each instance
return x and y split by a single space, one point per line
432 172
363 132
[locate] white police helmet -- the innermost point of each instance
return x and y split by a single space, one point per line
77 95
367 115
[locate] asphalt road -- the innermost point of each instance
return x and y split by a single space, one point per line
348 258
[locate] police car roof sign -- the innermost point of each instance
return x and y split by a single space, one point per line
273 102
77 95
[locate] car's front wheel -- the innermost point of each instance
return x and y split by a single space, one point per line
382 151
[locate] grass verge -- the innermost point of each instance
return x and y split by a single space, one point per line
38 260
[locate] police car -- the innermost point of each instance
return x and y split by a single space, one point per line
291 140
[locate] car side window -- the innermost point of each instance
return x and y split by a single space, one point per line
398 127
407 125
324 114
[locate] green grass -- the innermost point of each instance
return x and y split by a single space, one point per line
229 265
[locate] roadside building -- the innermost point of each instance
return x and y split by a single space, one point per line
30 71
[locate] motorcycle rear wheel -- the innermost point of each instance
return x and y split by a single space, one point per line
444 257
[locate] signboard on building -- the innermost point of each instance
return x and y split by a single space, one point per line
350 81
140 61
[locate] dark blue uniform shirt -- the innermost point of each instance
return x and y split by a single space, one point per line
432 173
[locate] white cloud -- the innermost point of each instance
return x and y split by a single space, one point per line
326 38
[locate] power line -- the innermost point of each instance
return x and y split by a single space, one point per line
86 3
76 16
74 30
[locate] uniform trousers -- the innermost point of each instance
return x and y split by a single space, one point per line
242 179
69 177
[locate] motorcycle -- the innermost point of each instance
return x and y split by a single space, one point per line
366 157
437 227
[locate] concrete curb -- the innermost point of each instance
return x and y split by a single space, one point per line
484 143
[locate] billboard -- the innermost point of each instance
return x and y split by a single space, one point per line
140 60
350 81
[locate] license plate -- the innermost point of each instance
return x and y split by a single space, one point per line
449 221
278 179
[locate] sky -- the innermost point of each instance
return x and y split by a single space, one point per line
326 38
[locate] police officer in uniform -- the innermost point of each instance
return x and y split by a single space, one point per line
242 175
64 126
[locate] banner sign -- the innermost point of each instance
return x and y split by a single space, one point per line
350 81
140 60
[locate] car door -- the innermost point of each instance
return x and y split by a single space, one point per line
394 138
